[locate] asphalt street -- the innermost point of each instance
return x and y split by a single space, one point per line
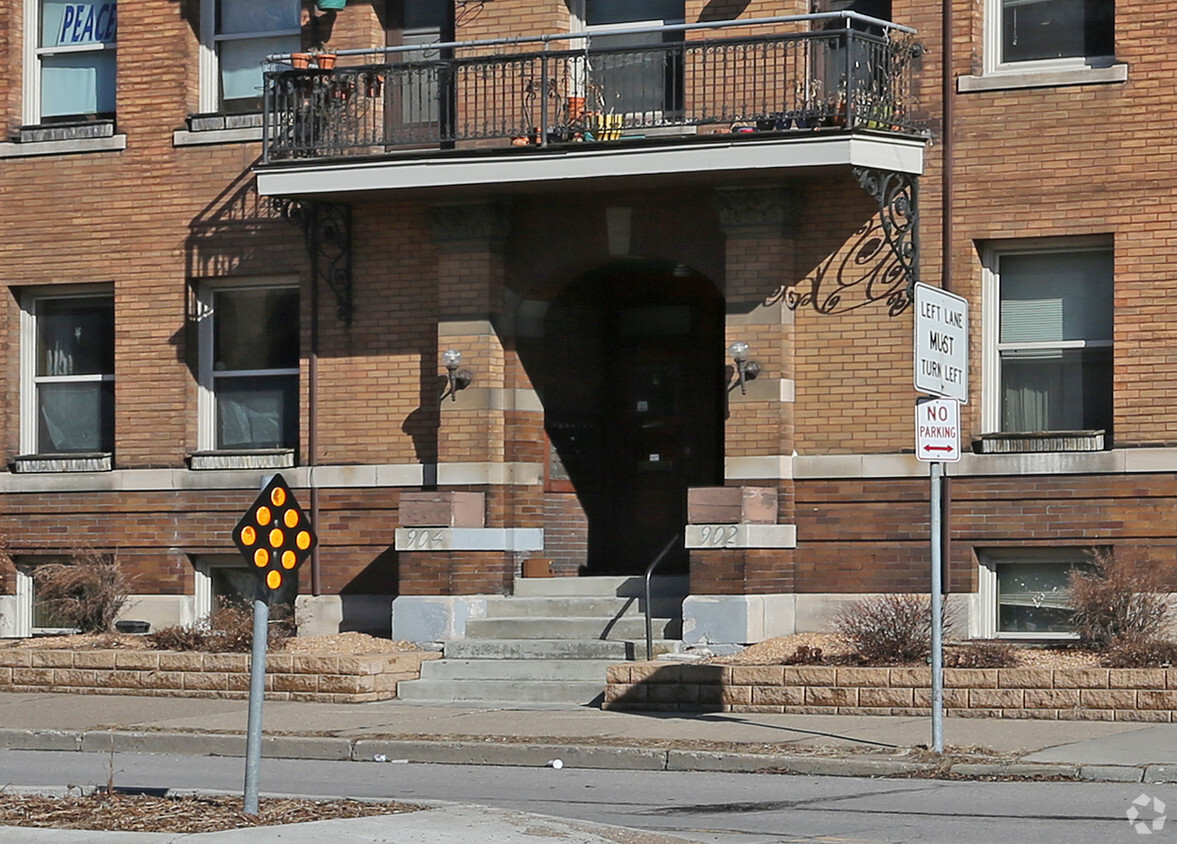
718 808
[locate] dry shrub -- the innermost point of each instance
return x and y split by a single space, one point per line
179 637
805 655
228 630
981 655
1118 597
88 592
1140 653
889 628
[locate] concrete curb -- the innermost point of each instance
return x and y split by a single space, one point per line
530 754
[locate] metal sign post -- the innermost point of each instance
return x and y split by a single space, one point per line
942 369
937 439
937 619
257 693
275 536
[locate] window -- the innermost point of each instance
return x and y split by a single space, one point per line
237 35
1049 340
67 402
31 617
1023 592
423 102
249 368
1051 32
644 81
225 580
72 61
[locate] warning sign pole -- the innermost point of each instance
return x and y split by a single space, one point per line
257 693
275 536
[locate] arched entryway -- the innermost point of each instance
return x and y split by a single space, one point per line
632 383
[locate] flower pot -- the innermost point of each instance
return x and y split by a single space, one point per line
373 84
325 61
300 61
575 109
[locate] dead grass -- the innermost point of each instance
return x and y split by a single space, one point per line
342 644
117 812
836 649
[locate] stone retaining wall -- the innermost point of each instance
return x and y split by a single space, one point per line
323 678
1096 694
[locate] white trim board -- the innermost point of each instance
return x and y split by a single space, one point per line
590 161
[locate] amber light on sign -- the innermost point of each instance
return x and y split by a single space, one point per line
275 520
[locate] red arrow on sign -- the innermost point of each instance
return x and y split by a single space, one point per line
938 448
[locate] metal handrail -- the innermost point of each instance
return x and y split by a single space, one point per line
649 572
848 16
766 83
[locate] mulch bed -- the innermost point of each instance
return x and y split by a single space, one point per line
116 812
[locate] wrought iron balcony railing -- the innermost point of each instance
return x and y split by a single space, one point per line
769 75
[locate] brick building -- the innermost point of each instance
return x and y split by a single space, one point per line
674 255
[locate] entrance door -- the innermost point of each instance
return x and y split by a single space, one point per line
633 405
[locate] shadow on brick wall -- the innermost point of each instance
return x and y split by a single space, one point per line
667 688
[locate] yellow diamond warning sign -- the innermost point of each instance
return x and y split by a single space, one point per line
275 536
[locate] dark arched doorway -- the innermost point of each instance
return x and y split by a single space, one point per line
633 404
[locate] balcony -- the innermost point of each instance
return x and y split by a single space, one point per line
731 97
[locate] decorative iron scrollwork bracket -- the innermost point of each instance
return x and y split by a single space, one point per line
326 230
899 215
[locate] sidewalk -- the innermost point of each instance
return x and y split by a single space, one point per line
583 737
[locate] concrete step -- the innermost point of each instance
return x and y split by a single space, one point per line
570 649
602 587
448 691
519 670
571 628
555 606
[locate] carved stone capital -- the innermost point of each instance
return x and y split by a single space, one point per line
456 224
752 210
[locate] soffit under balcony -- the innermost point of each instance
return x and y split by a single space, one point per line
734 159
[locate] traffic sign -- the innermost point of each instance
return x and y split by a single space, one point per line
941 343
937 430
275 536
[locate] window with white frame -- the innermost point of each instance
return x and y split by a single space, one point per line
236 37
1048 337
67 362
70 61
1023 592
32 616
1023 34
249 353
224 580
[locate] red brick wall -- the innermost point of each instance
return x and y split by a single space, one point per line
872 536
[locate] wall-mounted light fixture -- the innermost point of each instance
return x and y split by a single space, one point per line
457 379
746 370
